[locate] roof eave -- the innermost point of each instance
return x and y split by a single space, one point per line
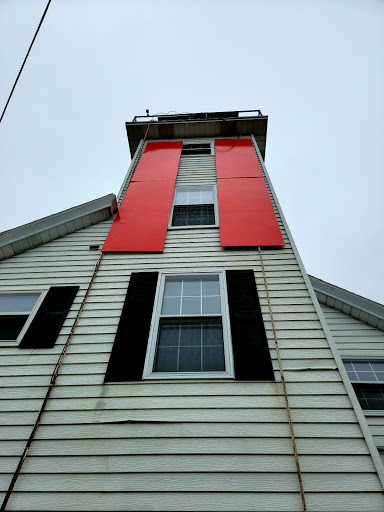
196 128
39 232
365 310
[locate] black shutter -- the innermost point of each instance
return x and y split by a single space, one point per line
129 349
250 348
46 325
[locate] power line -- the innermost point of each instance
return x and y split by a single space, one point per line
25 60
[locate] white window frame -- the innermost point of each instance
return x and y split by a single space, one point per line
368 358
211 143
32 313
196 226
229 373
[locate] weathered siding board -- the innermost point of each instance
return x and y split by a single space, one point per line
226 444
192 501
230 482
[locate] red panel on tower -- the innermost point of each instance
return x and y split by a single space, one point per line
246 214
236 158
159 162
142 220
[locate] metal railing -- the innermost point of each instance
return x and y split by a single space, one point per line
197 116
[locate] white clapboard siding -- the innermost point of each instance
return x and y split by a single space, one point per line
356 339
177 445
353 337
197 501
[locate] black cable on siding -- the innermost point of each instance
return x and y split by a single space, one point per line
25 60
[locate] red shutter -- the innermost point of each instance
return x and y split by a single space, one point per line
246 213
159 162
236 158
142 220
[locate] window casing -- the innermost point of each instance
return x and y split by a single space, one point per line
190 331
367 378
194 206
16 313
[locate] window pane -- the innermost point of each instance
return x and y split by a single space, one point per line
366 376
348 365
10 326
181 197
192 287
191 306
352 376
172 288
211 305
169 333
380 376
361 366
378 367
15 302
213 359
191 333
194 215
210 285
213 332
190 359
166 359
376 404
181 340
207 197
171 306
194 197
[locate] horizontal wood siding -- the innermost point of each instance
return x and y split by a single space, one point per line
172 445
353 337
356 339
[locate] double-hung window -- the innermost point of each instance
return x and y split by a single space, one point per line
195 325
195 206
190 328
16 311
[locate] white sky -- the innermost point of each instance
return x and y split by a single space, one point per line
315 68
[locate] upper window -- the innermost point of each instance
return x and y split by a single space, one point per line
190 330
15 309
192 149
194 206
367 377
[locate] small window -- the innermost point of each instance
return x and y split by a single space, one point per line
15 310
194 206
191 149
190 329
367 377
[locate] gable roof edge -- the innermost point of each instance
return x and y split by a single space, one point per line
42 231
365 310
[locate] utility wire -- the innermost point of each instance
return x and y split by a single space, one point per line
25 60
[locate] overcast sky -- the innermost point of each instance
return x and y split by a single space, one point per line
315 68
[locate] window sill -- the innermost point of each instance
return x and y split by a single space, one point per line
373 412
204 226
187 375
